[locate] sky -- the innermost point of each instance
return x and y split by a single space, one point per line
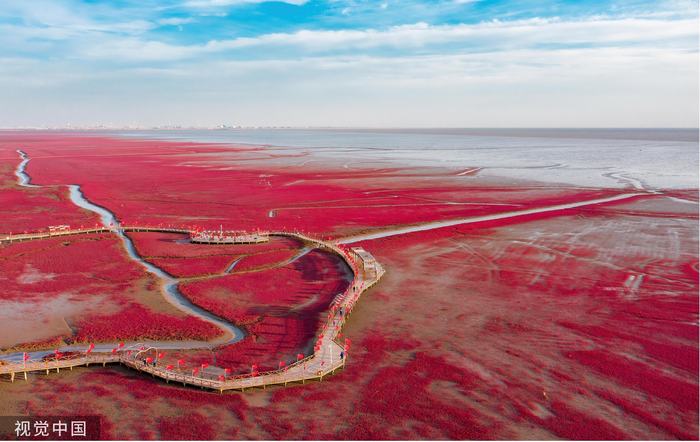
349 63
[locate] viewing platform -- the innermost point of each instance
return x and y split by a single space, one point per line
224 237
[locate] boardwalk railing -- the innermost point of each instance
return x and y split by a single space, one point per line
241 238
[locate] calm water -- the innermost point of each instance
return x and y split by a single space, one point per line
648 158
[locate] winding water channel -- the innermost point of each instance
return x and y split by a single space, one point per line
169 284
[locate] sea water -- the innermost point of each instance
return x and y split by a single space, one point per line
639 158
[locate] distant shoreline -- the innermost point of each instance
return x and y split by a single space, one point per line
651 134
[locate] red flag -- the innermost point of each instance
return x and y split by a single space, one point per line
114 351
255 367
255 373
26 356
222 378
282 364
204 365
300 356
149 360
227 371
169 367
121 344
180 362
194 371
161 355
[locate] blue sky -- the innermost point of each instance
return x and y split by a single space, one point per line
439 63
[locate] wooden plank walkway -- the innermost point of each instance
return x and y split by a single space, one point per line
251 238
329 354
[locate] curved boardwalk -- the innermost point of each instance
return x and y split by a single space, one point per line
329 354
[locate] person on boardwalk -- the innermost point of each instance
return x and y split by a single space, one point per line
342 355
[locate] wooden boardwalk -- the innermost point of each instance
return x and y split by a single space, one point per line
250 238
329 354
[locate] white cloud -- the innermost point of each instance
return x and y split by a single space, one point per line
599 71
538 87
42 18
482 37
137 50
175 21
488 35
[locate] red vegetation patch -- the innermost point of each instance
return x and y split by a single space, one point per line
136 322
396 395
31 210
651 415
89 281
193 267
192 426
281 308
640 376
678 355
569 423
49 266
525 295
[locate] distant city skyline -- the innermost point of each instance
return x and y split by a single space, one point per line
348 63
